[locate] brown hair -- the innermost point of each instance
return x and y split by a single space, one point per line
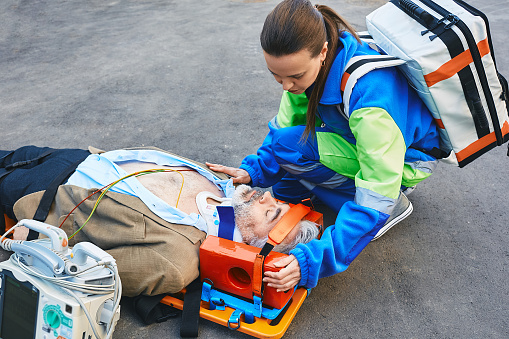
294 25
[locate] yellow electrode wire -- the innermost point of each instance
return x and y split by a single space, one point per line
149 171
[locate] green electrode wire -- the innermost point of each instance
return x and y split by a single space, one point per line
107 188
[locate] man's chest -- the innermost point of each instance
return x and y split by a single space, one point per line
177 186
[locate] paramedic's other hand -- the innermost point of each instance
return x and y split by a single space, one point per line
238 175
286 278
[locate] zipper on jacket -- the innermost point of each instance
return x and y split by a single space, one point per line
476 56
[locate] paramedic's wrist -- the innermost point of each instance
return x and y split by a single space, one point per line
238 175
287 278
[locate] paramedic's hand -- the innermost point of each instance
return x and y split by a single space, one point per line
238 175
286 278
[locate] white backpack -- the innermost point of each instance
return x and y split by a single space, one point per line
444 49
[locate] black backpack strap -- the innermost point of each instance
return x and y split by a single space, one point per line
435 152
151 310
505 97
357 67
49 195
191 311
8 170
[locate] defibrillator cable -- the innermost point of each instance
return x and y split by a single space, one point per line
63 281
82 201
106 188
6 243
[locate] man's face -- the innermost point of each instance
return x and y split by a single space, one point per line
256 212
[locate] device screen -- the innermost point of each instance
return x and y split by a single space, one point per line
19 310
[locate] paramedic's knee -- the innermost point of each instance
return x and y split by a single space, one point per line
289 147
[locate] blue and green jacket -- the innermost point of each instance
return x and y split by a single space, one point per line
379 147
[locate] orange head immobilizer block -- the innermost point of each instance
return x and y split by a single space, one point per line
229 265
9 223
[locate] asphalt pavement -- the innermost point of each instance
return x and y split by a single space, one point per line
189 77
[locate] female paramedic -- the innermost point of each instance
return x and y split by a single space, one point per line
356 166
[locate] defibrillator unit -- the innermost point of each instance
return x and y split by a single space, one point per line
50 291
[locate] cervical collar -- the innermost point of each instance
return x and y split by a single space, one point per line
210 214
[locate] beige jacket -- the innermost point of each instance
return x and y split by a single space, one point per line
153 256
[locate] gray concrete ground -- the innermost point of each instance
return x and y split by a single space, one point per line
189 77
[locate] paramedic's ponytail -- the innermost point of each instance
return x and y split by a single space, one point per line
335 25
294 25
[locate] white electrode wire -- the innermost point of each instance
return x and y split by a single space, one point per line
77 274
85 288
6 243
117 289
84 308
58 278
109 328
116 297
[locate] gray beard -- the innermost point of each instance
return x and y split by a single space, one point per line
242 210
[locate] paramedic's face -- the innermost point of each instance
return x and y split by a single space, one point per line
264 211
296 71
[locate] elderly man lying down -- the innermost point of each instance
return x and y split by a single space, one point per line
151 223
